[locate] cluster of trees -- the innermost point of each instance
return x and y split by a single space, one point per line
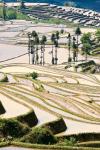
74 44
33 47
34 42
88 42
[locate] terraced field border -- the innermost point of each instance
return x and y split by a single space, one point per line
38 93
39 105
46 147
24 117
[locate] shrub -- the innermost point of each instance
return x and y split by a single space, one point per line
12 128
39 136
62 31
34 75
68 142
4 79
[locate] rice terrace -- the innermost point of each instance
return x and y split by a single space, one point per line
49 79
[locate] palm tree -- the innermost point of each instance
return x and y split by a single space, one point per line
37 43
29 45
69 46
74 46
56 45
52 40
32 51
43 41
4 11
78 33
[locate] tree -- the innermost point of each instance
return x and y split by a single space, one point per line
29 45
43 41
74 46
56 45
78 33
4 11
86 48
69 47
32 51
86 38
52 40
36 43
97 34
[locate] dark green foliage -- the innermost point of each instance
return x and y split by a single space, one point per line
34 75
86 38
12 128
30 119
78 31
56 126
2 110
39 135
62 31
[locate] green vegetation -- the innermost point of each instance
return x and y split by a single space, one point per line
39 135
12 128
67 142
91 43
59 21
97 34
22 16
12 13
34 75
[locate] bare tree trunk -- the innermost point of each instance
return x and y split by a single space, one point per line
56 59
77 50
43 54
52 55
